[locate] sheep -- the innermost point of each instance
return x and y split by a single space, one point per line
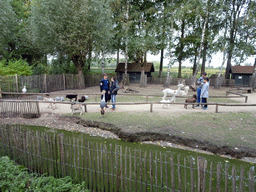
191 100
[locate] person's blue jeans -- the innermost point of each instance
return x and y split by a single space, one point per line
198 95
113 100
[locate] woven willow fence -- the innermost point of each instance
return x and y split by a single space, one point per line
46 83
113 168
28 109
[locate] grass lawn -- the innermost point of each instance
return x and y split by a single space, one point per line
233 129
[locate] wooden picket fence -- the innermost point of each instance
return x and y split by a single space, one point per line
29 109
113 168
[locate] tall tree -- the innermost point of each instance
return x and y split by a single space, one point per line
237 27
72 27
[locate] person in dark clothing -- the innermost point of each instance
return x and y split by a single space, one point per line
105 85
113 91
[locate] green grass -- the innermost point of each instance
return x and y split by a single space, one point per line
203 126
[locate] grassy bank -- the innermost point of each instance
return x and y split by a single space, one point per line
233 129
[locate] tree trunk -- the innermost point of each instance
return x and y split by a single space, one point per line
194 65
253 79
79 63
117 57
126 45
90 57
161 63
103 63
193 78
204 57
181 48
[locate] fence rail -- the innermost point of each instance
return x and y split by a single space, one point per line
113 168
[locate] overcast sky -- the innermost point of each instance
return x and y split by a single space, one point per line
216 61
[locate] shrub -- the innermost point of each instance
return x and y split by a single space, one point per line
14 66
16 178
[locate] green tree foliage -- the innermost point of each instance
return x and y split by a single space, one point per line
15 38
71 28
14 66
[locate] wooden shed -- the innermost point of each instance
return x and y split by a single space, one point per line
134 70
242 75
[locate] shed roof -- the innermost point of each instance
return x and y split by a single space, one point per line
242 69
135 67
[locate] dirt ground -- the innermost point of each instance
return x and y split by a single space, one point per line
151 89
53 118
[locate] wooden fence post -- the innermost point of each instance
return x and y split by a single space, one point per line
45 83
151 107
64 82
246 98
17 87
216 109
218 177
201 166
251 180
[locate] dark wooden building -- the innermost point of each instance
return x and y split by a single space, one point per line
134 71
242 75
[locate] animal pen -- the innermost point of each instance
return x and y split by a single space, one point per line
113 168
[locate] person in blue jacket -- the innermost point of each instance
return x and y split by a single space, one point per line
105 85
205 92
200 83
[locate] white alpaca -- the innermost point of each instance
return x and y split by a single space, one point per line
165 104
172 92
185 92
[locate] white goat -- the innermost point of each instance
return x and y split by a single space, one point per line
185 92
76 107
51 105
172 92
165 103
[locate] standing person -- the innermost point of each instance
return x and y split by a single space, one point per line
200 82
104 85
114 87
205 92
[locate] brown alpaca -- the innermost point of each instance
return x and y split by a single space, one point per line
191 100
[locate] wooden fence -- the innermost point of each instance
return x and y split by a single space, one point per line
46 83
50 83
28 109
113 168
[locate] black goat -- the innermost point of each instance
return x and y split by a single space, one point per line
70 97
